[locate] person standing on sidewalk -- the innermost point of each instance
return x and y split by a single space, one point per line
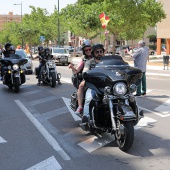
140 57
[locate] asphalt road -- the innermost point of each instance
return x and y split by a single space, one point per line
39 131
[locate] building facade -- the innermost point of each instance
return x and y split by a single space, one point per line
5 18
163 28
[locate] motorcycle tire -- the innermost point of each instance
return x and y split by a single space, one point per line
125 140
53 80
16 85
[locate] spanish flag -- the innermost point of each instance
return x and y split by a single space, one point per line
104 20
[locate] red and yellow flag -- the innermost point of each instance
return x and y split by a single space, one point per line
104 20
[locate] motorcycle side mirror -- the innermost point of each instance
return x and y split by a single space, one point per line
132 88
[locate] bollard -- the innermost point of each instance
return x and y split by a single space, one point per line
166 61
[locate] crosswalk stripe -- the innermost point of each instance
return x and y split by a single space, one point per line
95 142
2 140
50 139
145 122
164 108
48 164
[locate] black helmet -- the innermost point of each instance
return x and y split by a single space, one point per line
97 46
12 48
86 43
40 48
7 45
47 51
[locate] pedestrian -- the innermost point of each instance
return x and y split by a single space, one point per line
140 57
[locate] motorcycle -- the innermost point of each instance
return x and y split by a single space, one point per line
14 74
49 74
114 109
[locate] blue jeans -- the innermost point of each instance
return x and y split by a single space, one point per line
90 94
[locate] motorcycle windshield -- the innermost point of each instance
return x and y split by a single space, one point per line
14 59
110 70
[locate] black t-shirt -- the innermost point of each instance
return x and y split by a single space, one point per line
6 54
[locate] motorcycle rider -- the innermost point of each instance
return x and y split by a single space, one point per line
86 48
9 49
6 51
40 56
98 53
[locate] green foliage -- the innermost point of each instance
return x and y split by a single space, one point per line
129 19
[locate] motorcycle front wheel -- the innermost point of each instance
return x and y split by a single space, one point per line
53 80
16 85
125 135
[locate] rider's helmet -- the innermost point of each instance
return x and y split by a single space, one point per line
86 43
12 49
47 51
7 45
40 50
95 47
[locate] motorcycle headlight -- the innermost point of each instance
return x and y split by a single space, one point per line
15 67
119 89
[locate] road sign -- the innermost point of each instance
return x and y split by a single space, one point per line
42 38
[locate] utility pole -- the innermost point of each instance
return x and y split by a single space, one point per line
21 20
58 25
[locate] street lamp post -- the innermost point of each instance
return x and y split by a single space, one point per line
21 18
58 25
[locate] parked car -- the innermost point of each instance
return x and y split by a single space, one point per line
151 52
77 53
28 65
61 55
124 48
110 48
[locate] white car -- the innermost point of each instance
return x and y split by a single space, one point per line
61 55
29 64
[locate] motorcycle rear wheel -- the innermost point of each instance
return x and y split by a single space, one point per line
125 140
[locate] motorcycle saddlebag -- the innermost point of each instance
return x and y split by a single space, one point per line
74 101
36 71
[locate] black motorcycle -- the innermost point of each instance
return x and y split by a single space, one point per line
14 75
114 109
48 73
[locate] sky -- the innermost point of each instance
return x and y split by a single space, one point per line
8 6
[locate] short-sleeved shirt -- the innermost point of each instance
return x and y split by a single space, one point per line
140 57
90 64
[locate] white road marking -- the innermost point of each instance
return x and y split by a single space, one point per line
156 113
48 164
164 108
67 80
145 122
95 142
67 102
2 140
43 131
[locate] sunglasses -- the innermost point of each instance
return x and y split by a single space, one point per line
97 52
88 49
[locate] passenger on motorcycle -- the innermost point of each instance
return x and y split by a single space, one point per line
98 53
86 48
